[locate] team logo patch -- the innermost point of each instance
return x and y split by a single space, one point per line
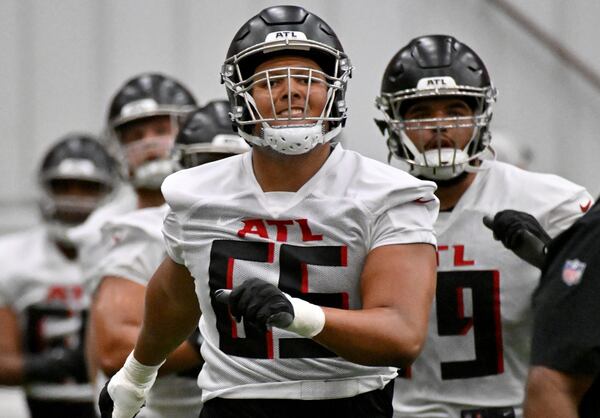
283 35
573 271
432 83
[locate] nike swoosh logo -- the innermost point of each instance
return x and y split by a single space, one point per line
221 222
584 208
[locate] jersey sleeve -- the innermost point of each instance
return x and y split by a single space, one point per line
566 334
172 237
180 197
568 210
131 254
12 249
407 222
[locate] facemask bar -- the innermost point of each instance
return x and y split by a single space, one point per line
222 145
63 212
287 74
314 130
131 157
143 150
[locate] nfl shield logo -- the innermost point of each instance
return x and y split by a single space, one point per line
572 272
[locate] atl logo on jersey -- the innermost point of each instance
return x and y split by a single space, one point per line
259 227
457 252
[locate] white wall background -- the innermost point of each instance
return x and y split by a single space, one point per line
61 60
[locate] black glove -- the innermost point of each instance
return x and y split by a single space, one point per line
258 303
509 224
105 402
521 233
56 365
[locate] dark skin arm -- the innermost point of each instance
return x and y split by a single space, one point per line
171 313
554 394
11 358
116 318
397 289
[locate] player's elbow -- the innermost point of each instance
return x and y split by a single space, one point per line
408 349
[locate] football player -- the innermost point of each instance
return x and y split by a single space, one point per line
134 249
313 266
144 117
42 302
437 98
563 379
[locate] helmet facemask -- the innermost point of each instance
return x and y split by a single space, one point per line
147 160
428 145
195 154
293 131
144 159
63 210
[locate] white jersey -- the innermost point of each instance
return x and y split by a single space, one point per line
311 243
44 289
134 248
87 236
477 351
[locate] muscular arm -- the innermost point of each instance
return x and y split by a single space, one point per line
553 394
11 359
397 286
170 315
117 312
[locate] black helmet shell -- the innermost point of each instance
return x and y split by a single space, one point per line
148 94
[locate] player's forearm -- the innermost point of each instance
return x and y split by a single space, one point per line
553 394
168 320
373 337
158 340
552 404
11 369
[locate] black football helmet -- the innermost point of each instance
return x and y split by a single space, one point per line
286 30
207 135
149 94
76 160
144 96
430 66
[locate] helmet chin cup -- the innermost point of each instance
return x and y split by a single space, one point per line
293 140
59 232
440 164
151 175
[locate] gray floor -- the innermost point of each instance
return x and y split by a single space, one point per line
12 403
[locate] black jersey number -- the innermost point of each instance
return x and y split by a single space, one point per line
293 279
485 321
